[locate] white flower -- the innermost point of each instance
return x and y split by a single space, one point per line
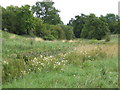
5 62
41 56
58 63
51 56
37 62
42 64
89 56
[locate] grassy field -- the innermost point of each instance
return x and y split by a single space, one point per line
31 63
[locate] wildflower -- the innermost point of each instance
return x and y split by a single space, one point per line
42 64
89 56
58 63
37 62
51 56
5 62
35 58
74 75
41 56
39 69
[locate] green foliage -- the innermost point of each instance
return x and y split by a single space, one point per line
68 32
39 28
78 24
19 53
73 66
118 27
46 12
76 58
112 21
47 24
50 37
18 20
94 28
91 74
107 38
59 32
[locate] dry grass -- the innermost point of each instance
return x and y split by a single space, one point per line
12 36
109 49
38 39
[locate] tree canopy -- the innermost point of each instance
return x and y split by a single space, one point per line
47 12
43 20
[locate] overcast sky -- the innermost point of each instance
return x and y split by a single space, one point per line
70 8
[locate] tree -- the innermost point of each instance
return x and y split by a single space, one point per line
69 34
9 19
18 20
40 28
77 24
94 28
111 19
46 12
118 26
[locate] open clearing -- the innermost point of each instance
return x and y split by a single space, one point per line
35 63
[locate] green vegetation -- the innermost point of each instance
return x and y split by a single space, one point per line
39 51
25 49
99 74
56 64
43 20
92 27
47 12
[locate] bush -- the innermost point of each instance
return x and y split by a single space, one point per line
107 38
50 37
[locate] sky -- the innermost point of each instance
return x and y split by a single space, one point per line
70 8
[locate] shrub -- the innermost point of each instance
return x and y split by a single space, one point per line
50 37
107 38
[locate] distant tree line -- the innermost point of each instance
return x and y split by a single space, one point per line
43 20
92 27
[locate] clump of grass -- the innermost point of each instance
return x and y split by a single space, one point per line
107 38
90 52
78 57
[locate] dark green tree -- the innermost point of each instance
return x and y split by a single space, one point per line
94 28
77 24
112 19
18 20
47 12
69 34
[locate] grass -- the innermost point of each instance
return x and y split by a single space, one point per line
82 63
91 74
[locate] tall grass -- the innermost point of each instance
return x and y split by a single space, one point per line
44 64
91 74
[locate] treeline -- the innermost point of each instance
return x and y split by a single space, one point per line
43 20
40 20
90 26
